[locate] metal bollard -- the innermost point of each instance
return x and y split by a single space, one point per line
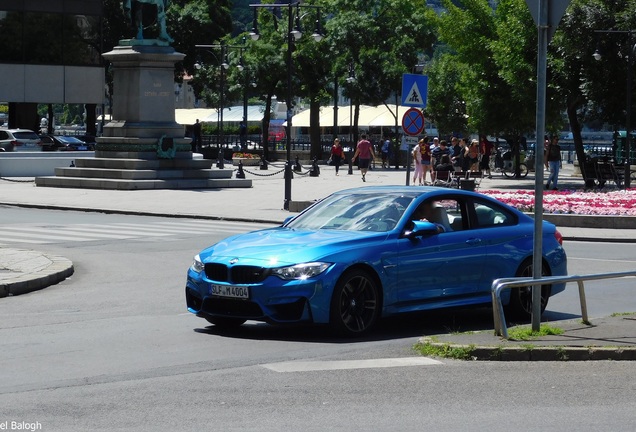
263 164
350 167
315 169
240 174
220 159
297 166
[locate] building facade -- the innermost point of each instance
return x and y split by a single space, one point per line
50 53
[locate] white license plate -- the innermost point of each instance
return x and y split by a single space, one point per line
231 291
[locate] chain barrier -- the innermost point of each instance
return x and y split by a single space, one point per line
282 170
263 175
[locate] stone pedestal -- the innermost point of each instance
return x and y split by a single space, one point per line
143 99
143 147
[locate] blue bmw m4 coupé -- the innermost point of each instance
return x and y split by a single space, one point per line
367 253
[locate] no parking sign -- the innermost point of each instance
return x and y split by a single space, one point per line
413 122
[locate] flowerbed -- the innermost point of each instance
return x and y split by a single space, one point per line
245 156
614 203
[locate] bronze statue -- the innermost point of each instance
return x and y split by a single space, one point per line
133 10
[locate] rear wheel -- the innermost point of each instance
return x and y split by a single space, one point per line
225 322
355 304
520 305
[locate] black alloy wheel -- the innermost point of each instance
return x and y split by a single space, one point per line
355 305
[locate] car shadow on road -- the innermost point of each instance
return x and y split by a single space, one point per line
428 323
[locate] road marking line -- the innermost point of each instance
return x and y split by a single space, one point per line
307 366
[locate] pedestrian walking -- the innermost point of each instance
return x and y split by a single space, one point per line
196 137
364 151
386 148
418 172
337 154
552 160
486 149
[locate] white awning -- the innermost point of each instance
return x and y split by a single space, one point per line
380 115
255 113
190 116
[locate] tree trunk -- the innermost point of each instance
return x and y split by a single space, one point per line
314 129
575 127
265 127
91 119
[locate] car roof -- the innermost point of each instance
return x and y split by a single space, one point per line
429 192
408 190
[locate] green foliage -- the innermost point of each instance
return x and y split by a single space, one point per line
457 352
526 333
196 22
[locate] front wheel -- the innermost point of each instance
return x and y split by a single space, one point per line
355 304
508 171
520 306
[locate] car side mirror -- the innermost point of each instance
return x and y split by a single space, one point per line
421 229
287 219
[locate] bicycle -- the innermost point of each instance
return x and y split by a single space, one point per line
509 169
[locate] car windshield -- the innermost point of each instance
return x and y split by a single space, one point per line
354 212
26 135
69 140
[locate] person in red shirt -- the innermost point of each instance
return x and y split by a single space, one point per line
364 150
485 148
337 154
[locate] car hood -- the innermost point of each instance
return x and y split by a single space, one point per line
284 246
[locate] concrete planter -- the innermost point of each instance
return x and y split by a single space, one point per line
246 161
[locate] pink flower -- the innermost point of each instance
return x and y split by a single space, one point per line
614 203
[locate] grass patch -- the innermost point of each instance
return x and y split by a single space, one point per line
619 314
526 333
431 349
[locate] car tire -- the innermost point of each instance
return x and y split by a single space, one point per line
226 322
520 306
355 303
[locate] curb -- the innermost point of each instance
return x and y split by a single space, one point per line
37 271
531 352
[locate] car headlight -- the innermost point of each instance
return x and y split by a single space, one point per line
301 271
197 265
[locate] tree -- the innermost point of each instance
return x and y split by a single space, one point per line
380 42
469 30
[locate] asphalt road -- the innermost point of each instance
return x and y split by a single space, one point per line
113 349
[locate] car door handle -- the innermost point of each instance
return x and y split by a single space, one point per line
473 241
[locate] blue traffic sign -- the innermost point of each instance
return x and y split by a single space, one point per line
414 90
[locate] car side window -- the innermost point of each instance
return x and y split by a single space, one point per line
454 214
445 213
488 215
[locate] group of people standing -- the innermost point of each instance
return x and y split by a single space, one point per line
459 156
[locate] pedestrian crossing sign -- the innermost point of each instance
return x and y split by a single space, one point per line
414 90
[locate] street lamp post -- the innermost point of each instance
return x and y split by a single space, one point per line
293 33
223 67
351 79
630 64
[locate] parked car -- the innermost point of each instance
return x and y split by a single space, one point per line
88 139
363 254
18 139
64 143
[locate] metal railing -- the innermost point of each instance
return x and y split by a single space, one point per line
499 285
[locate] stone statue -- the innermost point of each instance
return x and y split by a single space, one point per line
133 10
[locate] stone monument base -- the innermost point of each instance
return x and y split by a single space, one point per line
142 170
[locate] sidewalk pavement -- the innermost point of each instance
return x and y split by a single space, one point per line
23 271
